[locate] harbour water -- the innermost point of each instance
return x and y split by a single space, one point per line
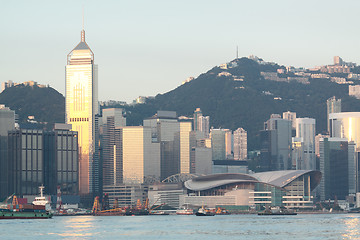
302 226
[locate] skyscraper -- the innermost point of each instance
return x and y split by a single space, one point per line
305 131
240 144
165 129
201 123
81 107
338 166
333 106
218 144
276 144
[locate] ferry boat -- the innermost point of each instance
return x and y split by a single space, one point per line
185 211
26 211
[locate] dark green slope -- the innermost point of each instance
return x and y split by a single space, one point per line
46 104
231 107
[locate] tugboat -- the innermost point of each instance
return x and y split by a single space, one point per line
26 211
204 212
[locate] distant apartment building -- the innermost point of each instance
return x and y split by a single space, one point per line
354 90
320 76
240 144
5 85
9 84
338 61
335 69
354 76
340 80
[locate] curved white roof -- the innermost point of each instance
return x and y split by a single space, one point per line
275 178
280 178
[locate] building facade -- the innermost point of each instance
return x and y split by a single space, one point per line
38 158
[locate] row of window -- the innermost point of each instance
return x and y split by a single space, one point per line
79 119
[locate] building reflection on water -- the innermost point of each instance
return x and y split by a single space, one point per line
352 226
78 227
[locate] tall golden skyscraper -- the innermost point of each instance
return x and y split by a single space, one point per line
82 106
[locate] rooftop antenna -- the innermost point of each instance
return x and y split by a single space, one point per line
83 17
83 30
237 52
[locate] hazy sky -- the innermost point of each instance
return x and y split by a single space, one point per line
148 47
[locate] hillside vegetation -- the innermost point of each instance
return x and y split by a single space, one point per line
46 104
249 103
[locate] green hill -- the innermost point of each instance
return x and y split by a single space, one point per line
46 104
249 103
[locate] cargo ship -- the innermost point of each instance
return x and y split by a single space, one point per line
37 210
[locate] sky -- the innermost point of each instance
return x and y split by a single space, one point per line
144 48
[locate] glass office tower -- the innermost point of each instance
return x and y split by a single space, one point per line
82 106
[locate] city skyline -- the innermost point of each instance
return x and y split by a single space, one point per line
170 41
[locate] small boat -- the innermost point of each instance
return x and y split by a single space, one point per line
276 211
158 213
136 212
204 212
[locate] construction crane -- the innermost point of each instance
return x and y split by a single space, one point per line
96 206
15 201
116 203
58 200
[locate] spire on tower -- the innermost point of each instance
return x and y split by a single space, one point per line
83 30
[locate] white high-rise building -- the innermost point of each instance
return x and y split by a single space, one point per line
291 116
201 123
81 107
140 156
240 144
305 131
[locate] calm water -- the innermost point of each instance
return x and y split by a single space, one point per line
317 226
